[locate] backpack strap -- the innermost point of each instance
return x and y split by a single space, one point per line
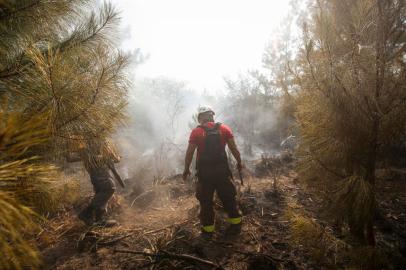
217 125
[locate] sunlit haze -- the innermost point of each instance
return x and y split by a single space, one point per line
199 42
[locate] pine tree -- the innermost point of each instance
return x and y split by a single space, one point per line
24 180
351 107
58 62
277 60
249 103
61 78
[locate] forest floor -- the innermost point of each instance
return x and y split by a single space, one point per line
282 229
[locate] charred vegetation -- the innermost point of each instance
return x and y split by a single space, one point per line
321 127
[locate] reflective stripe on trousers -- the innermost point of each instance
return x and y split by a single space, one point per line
235 221
208 228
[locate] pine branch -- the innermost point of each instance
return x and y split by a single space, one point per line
83 34
90 30
89 105
6 15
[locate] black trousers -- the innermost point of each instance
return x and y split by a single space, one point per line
219 181
104 189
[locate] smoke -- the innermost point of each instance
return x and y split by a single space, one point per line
253 111
154 141
162 113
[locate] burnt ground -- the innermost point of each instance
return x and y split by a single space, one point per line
282 230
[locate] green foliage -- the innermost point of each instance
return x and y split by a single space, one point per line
67 68
22 173
351 70
319 243
327 250
15 220
61 78
23 181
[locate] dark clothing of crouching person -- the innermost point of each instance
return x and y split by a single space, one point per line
98 160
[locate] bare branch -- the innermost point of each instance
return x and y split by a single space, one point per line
165 254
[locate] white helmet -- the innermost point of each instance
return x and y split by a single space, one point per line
204 109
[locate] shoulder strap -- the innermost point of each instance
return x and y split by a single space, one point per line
217 125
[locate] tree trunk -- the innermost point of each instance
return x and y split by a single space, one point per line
370 178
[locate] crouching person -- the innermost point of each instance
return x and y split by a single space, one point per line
98 158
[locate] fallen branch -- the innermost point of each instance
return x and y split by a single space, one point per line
141 196
115 240
165 254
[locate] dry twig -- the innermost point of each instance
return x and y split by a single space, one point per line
165 254
167 227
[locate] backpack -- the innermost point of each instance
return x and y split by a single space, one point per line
213 154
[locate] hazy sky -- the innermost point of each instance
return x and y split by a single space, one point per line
199 41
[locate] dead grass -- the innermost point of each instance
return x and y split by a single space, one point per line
317 241
278 233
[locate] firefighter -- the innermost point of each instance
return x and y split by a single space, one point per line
213 172
98 158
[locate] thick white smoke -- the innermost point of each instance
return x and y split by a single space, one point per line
154 141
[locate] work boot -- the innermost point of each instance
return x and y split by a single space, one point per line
106 223
206 235
101 219
86 216
100 214
207 232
